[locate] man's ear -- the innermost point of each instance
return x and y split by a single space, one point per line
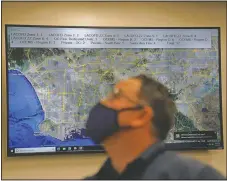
146 117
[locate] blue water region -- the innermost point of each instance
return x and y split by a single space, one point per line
25 113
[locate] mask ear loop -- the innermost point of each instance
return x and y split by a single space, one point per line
138 107
118 92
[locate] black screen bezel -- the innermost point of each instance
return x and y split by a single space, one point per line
172 146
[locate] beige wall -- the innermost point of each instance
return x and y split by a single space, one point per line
104 14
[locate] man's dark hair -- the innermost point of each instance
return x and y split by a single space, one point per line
157 95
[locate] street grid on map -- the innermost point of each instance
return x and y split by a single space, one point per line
70 81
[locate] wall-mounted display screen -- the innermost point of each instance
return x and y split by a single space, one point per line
56 74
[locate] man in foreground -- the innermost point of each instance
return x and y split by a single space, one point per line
132 123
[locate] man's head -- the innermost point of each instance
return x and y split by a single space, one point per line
164 108
135 103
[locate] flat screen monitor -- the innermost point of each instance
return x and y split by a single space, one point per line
56 74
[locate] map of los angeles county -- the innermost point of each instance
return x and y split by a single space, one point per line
56 75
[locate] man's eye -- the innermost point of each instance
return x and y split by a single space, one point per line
116 91
116 95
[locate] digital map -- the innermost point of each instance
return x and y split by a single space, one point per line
68 82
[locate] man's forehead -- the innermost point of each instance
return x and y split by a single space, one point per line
130 86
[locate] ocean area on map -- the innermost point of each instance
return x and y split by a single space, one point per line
26 114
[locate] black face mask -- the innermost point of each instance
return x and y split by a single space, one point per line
103 122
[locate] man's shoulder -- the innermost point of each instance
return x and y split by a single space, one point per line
171 165
105 172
